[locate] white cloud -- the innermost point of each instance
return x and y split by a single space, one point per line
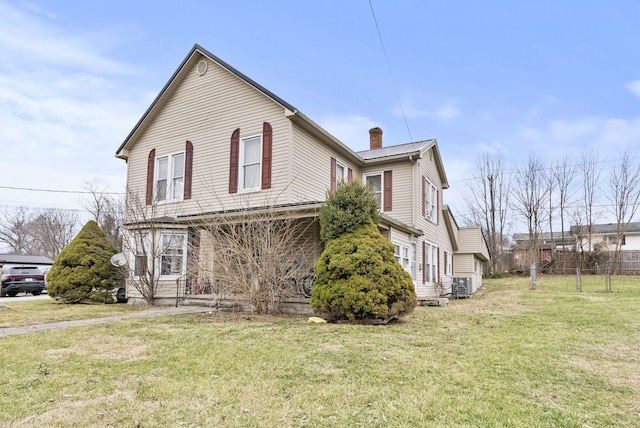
570 137
38 9
566 131
446 112
634 87
352 130
62 109
26 39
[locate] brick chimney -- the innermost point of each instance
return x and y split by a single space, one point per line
375 138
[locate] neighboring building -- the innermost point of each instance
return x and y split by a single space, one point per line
576 250
16 260
214 142
23 260
604 236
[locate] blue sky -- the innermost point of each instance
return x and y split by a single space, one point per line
503 77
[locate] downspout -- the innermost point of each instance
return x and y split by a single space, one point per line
414 168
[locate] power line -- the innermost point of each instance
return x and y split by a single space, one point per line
393 80
78 192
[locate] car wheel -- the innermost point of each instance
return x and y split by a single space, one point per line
12 293
36 293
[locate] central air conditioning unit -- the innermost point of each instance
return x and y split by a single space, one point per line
461 288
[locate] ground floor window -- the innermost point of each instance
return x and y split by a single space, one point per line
431 263
406 256
172 253
448 263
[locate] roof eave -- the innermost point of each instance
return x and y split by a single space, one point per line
120 153
298 117
393 158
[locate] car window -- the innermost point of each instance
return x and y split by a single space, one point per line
24 270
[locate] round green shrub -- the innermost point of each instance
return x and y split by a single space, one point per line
83 270
358 278
349 207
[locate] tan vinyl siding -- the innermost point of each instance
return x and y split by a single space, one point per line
472 241
311 167
463 264
403 205
206 110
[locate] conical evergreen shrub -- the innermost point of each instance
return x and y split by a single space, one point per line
83 270
357 275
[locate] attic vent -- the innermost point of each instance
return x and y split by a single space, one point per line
202 67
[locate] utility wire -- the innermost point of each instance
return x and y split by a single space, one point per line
80 192
395 87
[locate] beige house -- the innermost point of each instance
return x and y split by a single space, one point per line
214 142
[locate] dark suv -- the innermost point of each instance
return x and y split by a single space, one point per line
25 279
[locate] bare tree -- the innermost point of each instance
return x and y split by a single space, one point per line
107 209
590 168
528 198
51 230
488 200
145 241
265 255
624 195
15 229
563 173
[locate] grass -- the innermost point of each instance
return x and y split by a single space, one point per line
14 314
509 356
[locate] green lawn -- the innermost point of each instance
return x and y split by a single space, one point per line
509 356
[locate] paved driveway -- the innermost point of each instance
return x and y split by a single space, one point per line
152 312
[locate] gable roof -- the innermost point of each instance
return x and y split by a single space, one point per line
382 155
406 151
178 76
608 228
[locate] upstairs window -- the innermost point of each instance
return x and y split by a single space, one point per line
375 181
250 161
341 174
250 155
170 178
431 202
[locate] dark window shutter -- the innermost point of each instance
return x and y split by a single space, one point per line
267 133
424 194
437 207
438 252
424 262
333 175
387 190
233 161
151 162
349 175
188 169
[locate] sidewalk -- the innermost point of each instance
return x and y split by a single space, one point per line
180 310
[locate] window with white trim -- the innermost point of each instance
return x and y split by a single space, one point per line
341 173
431 267
375 181
250 163
140 257
406 256
172 253
448 263
412 256
170 178
431 201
